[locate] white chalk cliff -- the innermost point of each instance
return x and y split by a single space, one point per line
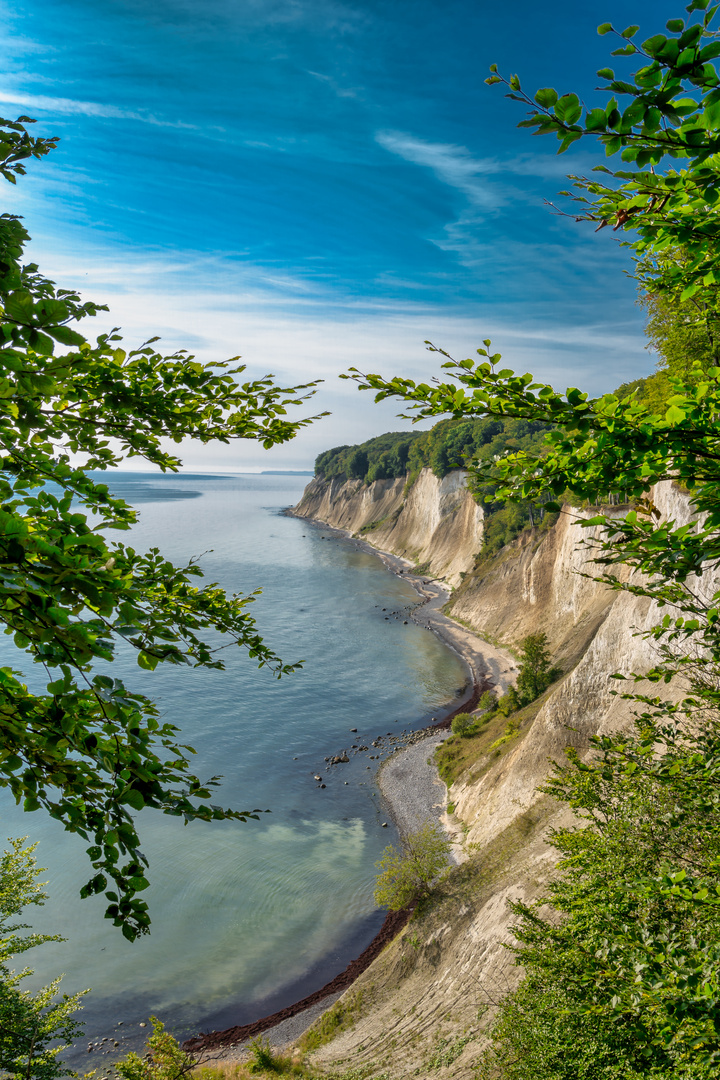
436 523
425 994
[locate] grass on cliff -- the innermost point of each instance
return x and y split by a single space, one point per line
496 734
276 1065
288 1065
340 1016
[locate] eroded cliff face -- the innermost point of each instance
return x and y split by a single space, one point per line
594 632
351 504
436 523
537 584
418 1005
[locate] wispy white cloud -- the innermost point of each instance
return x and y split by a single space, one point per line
488 185
334 85
72 107
451 164
456 166
331 15
218 307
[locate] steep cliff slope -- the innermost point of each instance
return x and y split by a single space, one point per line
436 523
419 1006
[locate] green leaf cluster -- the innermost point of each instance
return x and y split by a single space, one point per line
663 119
90 750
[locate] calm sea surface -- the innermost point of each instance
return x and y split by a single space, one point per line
250 917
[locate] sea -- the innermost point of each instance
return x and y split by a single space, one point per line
247 917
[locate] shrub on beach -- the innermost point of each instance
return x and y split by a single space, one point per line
462 724
408 872
488 701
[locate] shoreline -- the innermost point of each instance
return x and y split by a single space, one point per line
488 667
484 662
231 1038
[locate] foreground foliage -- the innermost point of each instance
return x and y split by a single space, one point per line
90 750
34 1028
622 977
632 970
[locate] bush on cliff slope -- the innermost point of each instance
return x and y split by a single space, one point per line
536 672
408 872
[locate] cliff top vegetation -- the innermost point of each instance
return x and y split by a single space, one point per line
448 445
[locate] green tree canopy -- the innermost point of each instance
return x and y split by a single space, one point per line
90 750
449 444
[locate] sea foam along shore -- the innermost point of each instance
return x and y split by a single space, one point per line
410 785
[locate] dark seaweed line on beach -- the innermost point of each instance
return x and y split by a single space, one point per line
394 923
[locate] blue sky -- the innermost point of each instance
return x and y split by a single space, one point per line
314 184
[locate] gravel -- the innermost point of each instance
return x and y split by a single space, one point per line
411 786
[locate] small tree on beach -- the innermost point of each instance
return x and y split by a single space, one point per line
462 724
408 872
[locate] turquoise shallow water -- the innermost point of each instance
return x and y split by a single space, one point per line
250 917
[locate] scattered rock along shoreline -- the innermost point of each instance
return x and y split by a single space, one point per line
488 667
